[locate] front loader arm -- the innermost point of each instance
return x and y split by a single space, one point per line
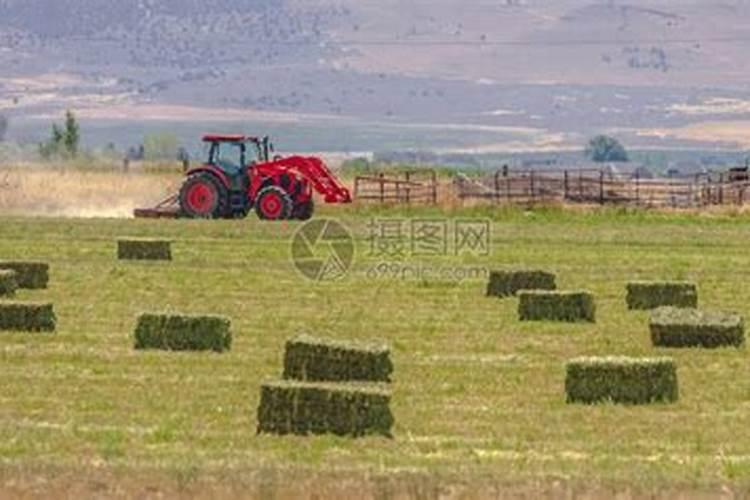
322 179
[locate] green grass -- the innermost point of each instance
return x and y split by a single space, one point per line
474 389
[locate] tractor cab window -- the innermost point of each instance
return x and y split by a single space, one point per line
228 156
253 154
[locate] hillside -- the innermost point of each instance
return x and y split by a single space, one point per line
507 74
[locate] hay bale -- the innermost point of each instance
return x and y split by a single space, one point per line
29 275
144 249
677 327
621 380
8 283
27 316
508 283
313 359
542 305
653 294
183 333
355 410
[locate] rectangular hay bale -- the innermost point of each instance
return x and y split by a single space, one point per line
621 380
543 305
27 316
144 249
303 408
314 359
183 333
508 283
653 294
677 327
29 274
8 283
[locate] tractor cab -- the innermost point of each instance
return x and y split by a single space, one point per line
231 153
236 155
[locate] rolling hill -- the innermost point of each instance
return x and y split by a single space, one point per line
503 75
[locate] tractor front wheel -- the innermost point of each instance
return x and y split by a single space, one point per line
204 197
273 203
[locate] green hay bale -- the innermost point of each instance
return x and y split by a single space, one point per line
27 316
677 327
8 283
183 333
621 380
653 294
570 306
355 410
508 283
144 249
29 275
313 359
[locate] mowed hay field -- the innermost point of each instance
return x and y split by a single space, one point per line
478 396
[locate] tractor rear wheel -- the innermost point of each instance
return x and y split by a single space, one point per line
204 197
273 203
304 210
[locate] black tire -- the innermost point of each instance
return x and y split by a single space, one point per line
202 196
304 210
273 203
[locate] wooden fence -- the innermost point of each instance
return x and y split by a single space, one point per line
530 187
413 186
601 187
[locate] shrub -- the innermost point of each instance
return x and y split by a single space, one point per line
675 327
293 407
621 380
507 283
537 305
144 249
653 294
8 283
309 358
183 333
30 275
27 316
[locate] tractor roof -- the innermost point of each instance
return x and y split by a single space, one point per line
229 138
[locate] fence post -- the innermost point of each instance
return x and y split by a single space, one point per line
408 187
565 185
382 188
601 187
531 185
497 187
721 189
434 188
637 188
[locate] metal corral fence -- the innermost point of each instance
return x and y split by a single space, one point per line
602 187
413 186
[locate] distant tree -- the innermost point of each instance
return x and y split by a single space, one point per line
72 134
64 141
604 148
3 127
160 146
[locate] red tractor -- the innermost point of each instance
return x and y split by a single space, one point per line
240 175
